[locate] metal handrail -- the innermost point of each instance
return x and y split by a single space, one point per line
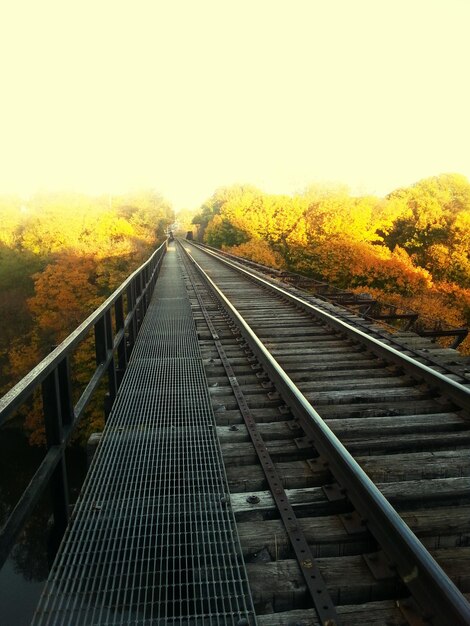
429 584
124 311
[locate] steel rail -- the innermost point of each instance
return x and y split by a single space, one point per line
440 600
308 565
459 393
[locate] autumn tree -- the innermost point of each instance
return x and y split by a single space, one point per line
258 251
222 199
414 242
61 255
434 226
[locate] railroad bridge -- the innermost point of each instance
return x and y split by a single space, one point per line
269 457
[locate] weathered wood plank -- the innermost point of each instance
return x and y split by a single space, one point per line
407 467
325 374
249 378
399 493
314 354
255 401
327 535
385 613
353 383
251 389
294 475
226 416
309 496
419 441
365 396
245 452
419 491
374 409
456 564
348 580
331 361
324 364
402 424
269 431
290 333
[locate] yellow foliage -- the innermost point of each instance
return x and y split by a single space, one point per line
412 245
347 263
84 248
257 250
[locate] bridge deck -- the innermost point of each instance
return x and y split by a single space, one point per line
152 540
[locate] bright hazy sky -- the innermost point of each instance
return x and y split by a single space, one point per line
186 96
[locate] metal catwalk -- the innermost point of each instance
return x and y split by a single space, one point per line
152 538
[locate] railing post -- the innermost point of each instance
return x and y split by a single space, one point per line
147 286
121 349
146 278
52 403
65 386
100 341
112 381
133 322
103 346
138 298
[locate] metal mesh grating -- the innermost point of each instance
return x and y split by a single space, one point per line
152 540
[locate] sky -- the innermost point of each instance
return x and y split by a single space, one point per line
186 96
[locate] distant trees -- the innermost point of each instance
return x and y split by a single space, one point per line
60 256
434 226
413 245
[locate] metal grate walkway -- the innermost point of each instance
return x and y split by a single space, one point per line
152 539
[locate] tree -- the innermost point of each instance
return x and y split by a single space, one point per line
431 208
232 196
61 255
259 251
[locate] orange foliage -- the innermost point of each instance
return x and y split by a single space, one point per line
84 247
65 294
347 263
24 355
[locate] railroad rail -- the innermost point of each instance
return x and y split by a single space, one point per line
398 403
271 458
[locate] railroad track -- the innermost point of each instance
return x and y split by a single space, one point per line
390 416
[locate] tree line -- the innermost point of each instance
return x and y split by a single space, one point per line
410 248
61 255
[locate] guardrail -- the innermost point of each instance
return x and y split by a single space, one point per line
115 325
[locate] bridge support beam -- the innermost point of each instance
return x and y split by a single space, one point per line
57 405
